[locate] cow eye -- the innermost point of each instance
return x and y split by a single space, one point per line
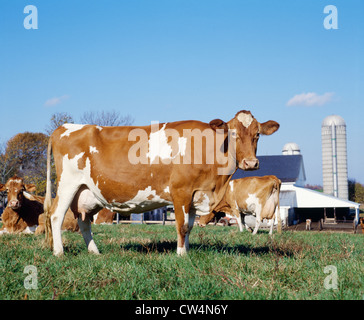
258 135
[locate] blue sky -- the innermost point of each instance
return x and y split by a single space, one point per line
185 59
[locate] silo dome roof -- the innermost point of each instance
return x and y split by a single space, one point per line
333 119
291 148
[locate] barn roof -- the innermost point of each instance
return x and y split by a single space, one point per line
288 168
306 198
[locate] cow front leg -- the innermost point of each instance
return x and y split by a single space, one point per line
184 225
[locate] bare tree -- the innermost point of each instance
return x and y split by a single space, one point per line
25 155
6 168
57 120
106 118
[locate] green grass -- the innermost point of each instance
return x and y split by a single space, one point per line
140 262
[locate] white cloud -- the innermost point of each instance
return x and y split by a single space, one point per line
56 100
310 99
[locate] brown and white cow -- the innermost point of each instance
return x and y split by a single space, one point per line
258 196
136 169
24 211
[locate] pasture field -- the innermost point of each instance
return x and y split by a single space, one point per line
140 262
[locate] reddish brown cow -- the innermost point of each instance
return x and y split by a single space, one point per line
137 169
258 196
24 211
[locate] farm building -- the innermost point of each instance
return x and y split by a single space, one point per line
296 202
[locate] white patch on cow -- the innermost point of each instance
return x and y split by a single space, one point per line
93 150
201 202
71 128
72 174
182 143
245 118
253 205
29 196
98 127
29 230
186 215
3 231
231 183
204 207
95 216
181 251
158 146
166 189
144 200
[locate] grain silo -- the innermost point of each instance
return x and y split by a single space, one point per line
334 157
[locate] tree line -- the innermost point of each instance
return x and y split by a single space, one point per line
25 154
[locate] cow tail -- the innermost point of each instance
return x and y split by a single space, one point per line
279 218
48 198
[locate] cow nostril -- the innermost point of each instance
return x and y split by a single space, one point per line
250 164
14 203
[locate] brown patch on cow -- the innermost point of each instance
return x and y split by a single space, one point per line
81 163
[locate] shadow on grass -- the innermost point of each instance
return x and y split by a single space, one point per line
171 247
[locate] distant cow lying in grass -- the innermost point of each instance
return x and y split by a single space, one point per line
258 196
24 211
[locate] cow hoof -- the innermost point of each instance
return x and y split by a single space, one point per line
181 251
58 254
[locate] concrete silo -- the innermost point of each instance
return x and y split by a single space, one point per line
334 157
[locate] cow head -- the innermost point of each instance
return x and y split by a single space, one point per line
246 131
15 187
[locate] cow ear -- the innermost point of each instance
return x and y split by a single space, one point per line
2 187
269 127
218 124
30 187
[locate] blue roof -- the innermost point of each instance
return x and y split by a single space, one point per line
287 168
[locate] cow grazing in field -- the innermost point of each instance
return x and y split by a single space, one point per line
131 169
258 196
24 211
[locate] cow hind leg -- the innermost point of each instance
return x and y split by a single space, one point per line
59 209
56 222
85 227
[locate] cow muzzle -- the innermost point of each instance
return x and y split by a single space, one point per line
14 204
249 164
